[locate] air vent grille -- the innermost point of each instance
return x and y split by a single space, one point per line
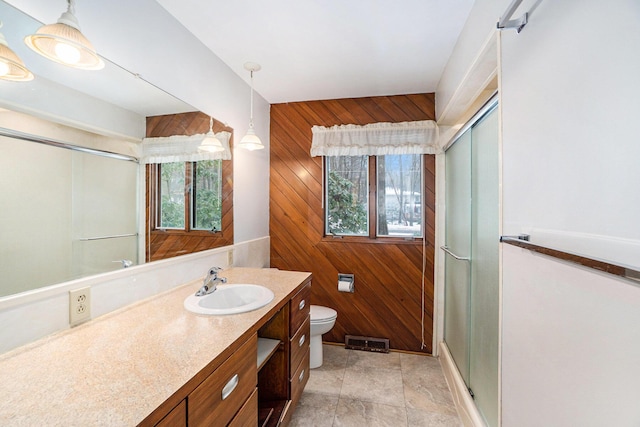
354 342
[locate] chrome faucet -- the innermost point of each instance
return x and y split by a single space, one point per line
211 281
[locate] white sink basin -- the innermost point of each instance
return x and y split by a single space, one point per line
230 299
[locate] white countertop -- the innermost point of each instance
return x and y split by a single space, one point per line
118 368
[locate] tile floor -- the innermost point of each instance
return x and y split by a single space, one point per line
357 388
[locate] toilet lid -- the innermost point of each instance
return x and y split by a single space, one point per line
320 313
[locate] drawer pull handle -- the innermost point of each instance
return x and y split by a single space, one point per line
229 387
302 304
301 341
301 377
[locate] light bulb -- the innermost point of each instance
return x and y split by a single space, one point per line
4 68
67 53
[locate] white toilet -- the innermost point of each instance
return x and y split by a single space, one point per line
322 320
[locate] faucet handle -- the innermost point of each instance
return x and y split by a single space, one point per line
214 270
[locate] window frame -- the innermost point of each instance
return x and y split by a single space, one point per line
373 236
153 200
193 190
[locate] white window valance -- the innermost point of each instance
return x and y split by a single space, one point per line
182 148
376 139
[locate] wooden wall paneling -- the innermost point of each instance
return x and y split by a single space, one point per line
387 302
161 245
389 289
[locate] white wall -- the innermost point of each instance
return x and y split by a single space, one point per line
569 98
478 29
44 98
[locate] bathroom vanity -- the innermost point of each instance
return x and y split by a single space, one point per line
155 363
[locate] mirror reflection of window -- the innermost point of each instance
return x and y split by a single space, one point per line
207 196
189 203
190 193
172 188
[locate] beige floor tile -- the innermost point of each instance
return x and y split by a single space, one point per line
373 360
417 418
315 410
379 385
425 387
334 357
358 413
356 388
328 378
412 363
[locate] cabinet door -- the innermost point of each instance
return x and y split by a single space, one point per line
219 397
177 417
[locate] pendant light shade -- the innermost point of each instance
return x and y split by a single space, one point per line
63 43
251 141
11 66
210 143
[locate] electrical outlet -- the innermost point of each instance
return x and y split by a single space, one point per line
230 258
79 305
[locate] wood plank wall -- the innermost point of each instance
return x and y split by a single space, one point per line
161 244
387 302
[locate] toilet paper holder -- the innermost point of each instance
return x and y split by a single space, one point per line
346 282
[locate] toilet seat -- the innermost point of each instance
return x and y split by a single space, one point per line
320 314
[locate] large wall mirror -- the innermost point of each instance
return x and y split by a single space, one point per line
70 213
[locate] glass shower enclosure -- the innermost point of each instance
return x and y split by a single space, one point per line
67 212
471 265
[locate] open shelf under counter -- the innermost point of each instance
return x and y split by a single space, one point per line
266 348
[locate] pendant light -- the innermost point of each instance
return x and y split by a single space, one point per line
11 66
251 141
210 143
63 42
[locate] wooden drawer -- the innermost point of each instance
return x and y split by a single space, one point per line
299 309
299 379
248 414
219 397
177 417
299 345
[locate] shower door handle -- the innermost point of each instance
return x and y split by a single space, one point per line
459 258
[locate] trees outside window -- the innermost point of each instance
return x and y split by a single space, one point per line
189 195
397 180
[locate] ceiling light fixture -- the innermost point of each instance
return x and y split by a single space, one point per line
11 66
210 143
63 42
251 141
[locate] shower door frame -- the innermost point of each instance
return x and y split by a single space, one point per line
466 259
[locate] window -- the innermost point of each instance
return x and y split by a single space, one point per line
189 196
399 192
347 195
396 211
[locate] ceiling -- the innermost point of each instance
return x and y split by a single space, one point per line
329 49
308 50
